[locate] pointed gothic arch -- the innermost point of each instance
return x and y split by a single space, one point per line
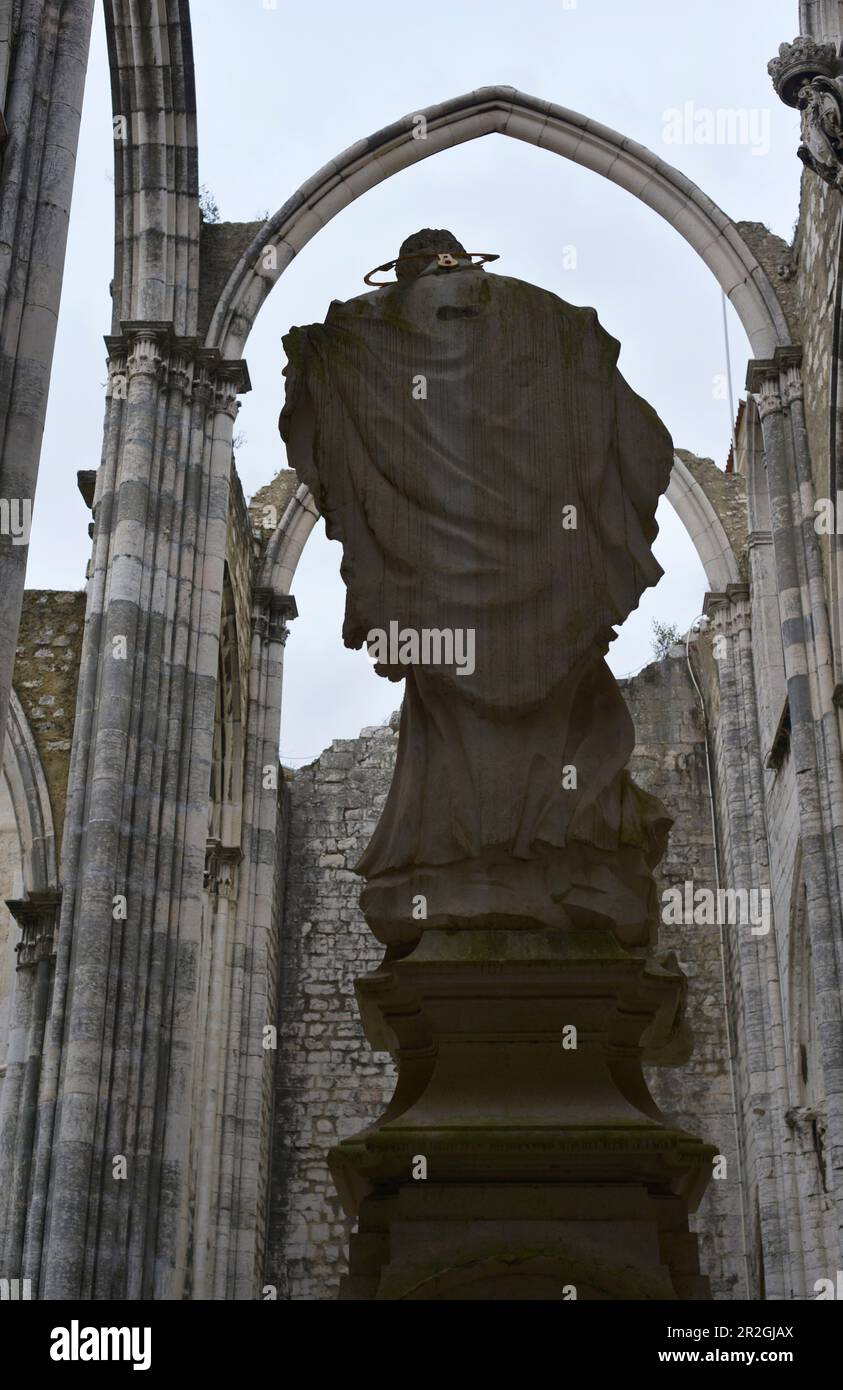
24 776
505 111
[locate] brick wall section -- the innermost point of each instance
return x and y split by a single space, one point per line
45 680
330 1084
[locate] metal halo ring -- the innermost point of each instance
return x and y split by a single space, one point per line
481 256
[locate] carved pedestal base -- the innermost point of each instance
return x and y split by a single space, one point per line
510 1162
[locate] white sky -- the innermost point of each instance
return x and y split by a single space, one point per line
282 90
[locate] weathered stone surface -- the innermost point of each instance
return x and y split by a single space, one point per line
727 494
269 503
220 244
325 946
46 677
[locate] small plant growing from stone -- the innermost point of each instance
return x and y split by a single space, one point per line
208 206
665 635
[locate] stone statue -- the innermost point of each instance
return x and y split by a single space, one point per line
493 481
821 104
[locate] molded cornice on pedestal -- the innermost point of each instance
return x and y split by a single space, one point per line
545 1165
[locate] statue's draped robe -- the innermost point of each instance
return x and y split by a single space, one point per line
444 426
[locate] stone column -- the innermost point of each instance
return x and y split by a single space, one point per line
808 75
42 80
804 620
37 917
109 1214
212 1097
822 20
251 1060
751 959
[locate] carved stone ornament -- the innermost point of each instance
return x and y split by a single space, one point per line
805 75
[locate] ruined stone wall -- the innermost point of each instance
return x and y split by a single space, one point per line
670 762
727 494
45 680
266 1011
45 677
329 1083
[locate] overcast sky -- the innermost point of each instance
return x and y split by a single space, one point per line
283 88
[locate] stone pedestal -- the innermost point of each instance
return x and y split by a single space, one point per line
521 1156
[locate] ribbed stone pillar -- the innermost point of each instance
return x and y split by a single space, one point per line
751 958
822 20
244 1192
804 624
110 1208
37 917
43 61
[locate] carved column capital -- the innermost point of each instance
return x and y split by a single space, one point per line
203 385
225 399
271 614
768 396
793 389
222 869
740 607
37 915
180 370
776 381
145 358
146 347
225 371
729 612
116 361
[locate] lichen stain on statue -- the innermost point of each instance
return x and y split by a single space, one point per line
452 426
